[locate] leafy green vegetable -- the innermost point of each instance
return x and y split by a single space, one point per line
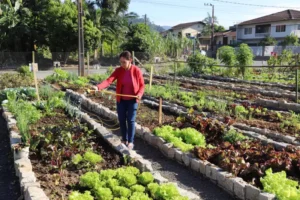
137 188
153 187
233 136
112 183
79 196
128 180
185 139
76 159
90 180
280 185
120 191
132 170
103 193
92 157
139 196
167 191
107 174
145 178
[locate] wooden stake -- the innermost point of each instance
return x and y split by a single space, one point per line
88 63
133 58
151 74
33 57
35 69
160 112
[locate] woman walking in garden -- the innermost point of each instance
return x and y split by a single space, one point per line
130 81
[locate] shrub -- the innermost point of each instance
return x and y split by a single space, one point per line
227 55
244 57
197 62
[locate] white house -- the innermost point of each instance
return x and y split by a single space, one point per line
277 25
190 29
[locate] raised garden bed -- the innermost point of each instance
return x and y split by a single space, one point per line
64 149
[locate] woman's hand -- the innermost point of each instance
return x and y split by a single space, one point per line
95 88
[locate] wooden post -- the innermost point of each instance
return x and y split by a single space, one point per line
133 58
160 111
34 70
33 57
151 75
88 63
175 69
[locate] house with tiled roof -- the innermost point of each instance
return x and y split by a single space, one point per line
190 29
277 25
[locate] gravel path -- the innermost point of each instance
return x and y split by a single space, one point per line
9 183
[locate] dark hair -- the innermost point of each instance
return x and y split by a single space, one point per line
126 54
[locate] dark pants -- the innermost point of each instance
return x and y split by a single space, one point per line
127 113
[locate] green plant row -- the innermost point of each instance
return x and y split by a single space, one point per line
184 139
126 183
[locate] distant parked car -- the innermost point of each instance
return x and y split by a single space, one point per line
203 52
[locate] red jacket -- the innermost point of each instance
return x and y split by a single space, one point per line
137 79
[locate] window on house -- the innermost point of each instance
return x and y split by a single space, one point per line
263 28
298 26
188 35
280 28
248 31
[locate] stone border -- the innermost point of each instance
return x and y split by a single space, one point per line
227 181
283 105
30 187
280 93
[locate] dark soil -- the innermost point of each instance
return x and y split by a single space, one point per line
145 115
58 185
9 182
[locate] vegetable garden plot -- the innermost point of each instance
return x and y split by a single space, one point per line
70 161
279 93
222 93
250 165
256 116
274 84
253 157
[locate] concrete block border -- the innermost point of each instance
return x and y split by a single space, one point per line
234 185
30 187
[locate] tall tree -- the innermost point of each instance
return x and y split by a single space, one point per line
208 24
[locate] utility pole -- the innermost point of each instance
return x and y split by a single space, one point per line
212 25
80 39
145 19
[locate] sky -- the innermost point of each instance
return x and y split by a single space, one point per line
172 12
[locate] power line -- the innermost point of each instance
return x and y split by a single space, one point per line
256 5
181 6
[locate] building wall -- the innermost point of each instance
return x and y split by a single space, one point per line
193 30
291 28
